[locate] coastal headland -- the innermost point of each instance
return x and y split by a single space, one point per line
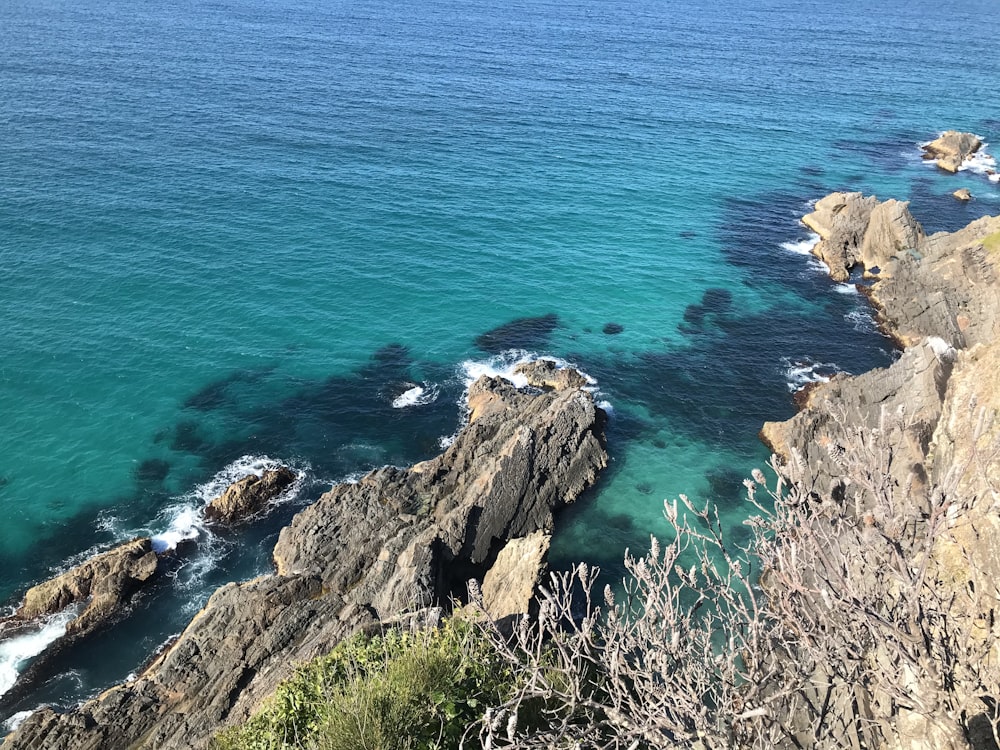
396 544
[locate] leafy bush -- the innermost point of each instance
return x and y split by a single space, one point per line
394 691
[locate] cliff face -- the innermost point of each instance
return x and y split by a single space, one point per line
394 542
938 409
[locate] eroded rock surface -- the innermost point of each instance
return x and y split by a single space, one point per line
397 540
952 148
248 496
937 408
104 584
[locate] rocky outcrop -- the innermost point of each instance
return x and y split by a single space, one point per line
937 409
395 541
963 194
546 373
952 148
248 496
943 285
858 230
104 584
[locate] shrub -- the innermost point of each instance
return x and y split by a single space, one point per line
394 691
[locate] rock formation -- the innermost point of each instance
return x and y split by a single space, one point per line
952 148
937 406
250 495
855 229
397 540
963 194
104 584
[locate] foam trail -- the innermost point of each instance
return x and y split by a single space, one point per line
19 650
800 372
418 395
845 289
802 247
17 720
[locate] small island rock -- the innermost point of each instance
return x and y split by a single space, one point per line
951 149
249 495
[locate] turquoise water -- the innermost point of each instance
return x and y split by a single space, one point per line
232 230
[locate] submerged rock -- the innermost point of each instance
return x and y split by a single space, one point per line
250 495
397 540
952 148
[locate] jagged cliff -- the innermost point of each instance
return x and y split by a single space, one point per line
396 541
933 418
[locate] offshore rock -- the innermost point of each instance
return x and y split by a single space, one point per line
250 495
952 148
397 540
963 194
105 582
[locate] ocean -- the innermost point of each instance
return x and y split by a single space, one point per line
238 233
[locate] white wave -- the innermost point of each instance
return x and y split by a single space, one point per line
16 652
184 519
846 289
503 366
15 721
980 163
418 395
801 372
606 406
802 247
861 320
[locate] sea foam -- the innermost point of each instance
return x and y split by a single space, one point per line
801 372
16 652
418 395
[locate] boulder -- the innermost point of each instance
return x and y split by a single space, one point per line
397 540
952 148
509 586
546 373
963 194
250 495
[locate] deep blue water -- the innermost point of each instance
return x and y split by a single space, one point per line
245 229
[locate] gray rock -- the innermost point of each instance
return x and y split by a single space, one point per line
397 540
250 495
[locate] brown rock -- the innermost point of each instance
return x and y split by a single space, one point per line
545 373
106 582
951 148
249 495
963 194
840 219
509 585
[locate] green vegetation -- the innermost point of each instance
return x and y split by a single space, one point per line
992 242
394 691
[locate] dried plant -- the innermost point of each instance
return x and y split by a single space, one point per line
837 627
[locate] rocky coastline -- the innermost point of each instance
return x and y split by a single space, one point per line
400 542
937 408
396 543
